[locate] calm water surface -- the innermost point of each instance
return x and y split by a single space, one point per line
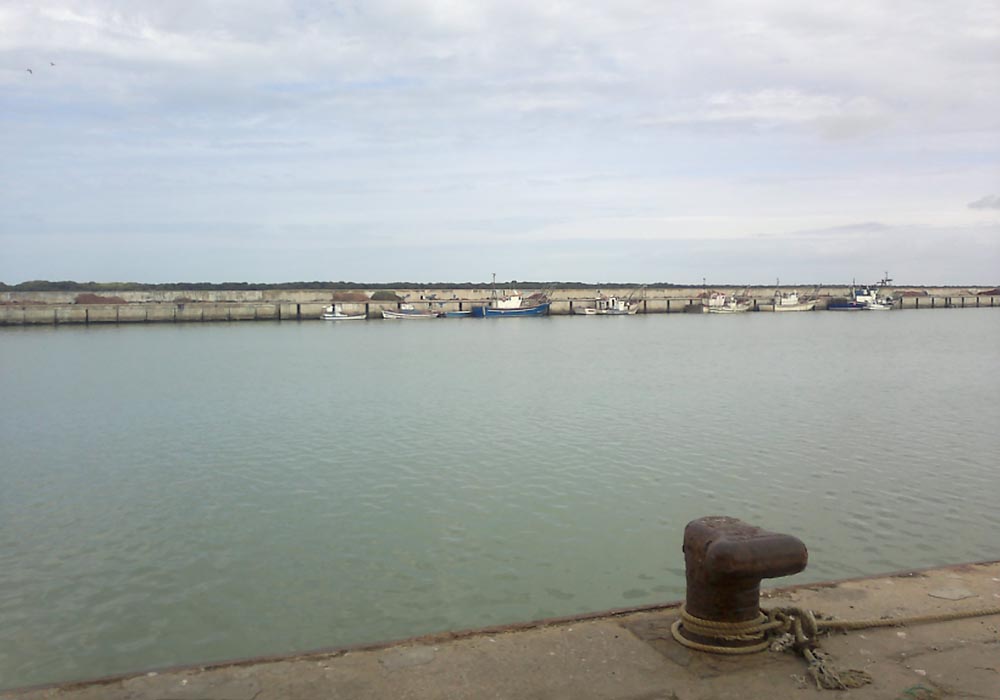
174 494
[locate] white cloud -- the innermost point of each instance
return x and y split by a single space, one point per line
834 116
552 121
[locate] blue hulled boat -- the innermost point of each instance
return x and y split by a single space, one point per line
849 304
535 310
513 304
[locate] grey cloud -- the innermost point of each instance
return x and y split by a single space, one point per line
990 201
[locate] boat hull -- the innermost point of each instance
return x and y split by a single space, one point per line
806 306
334 312
590 311
538 310
343 317
845 306
407 315
728 309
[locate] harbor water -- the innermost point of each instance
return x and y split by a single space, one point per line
186 493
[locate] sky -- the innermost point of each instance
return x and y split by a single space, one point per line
446 140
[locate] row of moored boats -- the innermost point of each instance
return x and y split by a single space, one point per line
863 298
510 305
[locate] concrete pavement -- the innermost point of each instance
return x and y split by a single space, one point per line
627 656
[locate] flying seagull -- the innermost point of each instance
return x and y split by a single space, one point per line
51 63
30 71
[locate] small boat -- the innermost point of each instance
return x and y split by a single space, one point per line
879 306
406 311
608 306
719 303
789 301
457 314
334 312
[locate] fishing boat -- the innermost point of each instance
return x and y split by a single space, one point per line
513 304
719 303
863 298
872 301
608 306
789 301
876 300
335 312
407 311
457 314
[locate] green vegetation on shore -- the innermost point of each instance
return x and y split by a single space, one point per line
71 286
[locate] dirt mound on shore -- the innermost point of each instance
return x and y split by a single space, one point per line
350 296
88 298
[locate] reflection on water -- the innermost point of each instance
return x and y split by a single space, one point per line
178 494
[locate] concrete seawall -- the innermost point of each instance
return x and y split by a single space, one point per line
624 655
323 296
57 308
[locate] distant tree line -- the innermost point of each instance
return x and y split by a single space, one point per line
71 286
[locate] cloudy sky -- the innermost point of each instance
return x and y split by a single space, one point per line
433 140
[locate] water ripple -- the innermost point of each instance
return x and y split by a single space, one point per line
225 491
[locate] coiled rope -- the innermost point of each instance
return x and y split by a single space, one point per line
780 629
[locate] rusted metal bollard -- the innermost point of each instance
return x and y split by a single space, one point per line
725 560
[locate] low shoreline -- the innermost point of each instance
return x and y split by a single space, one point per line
59 308
464 292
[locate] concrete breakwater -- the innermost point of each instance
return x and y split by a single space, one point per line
623 654
57 308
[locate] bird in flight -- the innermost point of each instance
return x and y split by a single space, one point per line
30 71
51 63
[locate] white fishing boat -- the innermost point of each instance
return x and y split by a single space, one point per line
875 300
879 304
719 303
789 301
865 298
335 312
407 311
608 306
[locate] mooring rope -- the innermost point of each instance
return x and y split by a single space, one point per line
833 623
794 628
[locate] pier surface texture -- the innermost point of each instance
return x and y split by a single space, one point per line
628 654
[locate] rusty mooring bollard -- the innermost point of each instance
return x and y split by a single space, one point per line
725 560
